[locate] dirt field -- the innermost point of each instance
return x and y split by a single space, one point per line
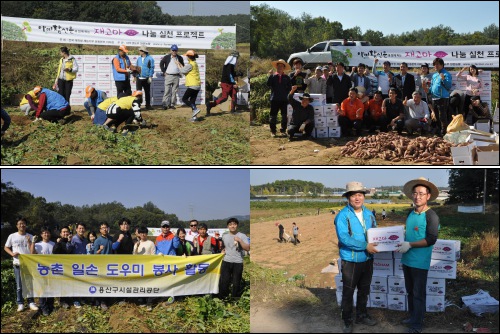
316 251
278 151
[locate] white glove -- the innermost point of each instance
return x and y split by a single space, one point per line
37 119
129 70
302 127
150 80
405 246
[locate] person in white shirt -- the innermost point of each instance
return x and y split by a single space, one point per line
20 243
193 230
384 77
44 247
419 114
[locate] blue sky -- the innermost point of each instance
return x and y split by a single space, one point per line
338 177
212 193
395 17
205 8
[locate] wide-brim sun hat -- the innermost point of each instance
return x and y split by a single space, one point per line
408 188
361 89
354 187
306 96
281 61
143 48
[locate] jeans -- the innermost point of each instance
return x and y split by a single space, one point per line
415 283
19 291
355 275
441 112
292 129
87 107
230 272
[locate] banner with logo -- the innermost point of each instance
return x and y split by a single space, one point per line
74 32
156 231
119 275
485 56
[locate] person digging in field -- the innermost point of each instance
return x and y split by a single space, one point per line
351 225
94 98
422 225
29 102
51 105
302 115
126 109
228 83
100 116
280 85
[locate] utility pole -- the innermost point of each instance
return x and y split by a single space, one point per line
484 193
191 210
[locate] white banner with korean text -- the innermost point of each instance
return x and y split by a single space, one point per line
74 32
483 56
119 275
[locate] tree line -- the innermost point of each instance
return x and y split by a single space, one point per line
125 12
275 34
39 212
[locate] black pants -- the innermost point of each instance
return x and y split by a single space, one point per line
65 87
346 125
292 129
281 236
441 112
143 83
415 284
47 304
371 123
125 115
230 272
355 275
296 239
273 115
123 88
55 115
189 98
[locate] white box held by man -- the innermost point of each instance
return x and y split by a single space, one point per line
387 238
446 250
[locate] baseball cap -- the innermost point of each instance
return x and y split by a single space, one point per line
137 93
88 91
123 48
165 223
174 47
319 68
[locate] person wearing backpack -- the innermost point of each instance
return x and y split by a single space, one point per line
351 225
422 225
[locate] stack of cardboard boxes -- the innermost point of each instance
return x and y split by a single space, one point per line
388 289
326 124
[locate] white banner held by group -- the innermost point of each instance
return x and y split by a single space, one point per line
484 56
74 32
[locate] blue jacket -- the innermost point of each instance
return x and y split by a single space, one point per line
167 246
100 98
439 88
353 245
117 76
148 68
55 101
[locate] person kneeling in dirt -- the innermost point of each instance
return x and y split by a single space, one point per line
52 106
100 116
94 98
351 225
29 102
127 109
302 115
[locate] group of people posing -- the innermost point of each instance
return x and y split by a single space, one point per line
196 241
380 99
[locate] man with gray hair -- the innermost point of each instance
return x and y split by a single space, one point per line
419 114
351 225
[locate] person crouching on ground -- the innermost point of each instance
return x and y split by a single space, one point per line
351 225
302 115
127 109
51 105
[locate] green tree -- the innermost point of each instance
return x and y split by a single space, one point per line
14 201
467 185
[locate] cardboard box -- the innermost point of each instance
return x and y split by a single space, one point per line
398 267
383 267
332 121
321 132
89 76
434 304
383 256
463 160
92 68
77 83
495 127
334 132
446 250
378 300
320 122
463 150
443 269
331 108
436 286
105 59
77 101
396 302
379 284
387 238
397 255
487 155
338 282
482 125
354 298
318 111
396 285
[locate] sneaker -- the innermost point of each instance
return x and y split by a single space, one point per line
20 308
347 327
193 119
366 320
77 304
172 107
165 108
104 307
273 134
405 321
149 308
170 300
65 306
195 112
33 307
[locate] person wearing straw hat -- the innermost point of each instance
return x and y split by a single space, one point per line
302 116
146 65
280 85
422 225
121 72
351 225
